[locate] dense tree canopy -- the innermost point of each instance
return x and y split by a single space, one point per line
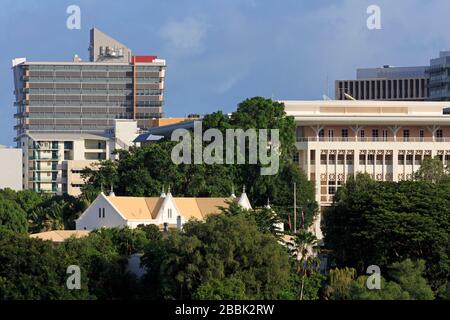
403 281
224 257
37 212
382 223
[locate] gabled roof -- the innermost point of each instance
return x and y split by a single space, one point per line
147 208
137 208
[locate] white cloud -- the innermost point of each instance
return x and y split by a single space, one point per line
186 36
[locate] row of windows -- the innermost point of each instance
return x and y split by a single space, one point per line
129 103
101 68
377 135
95 91
371 159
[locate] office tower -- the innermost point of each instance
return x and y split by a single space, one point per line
59 103
387 83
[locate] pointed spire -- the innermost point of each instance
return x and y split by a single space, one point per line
111 191
243 200
268 203
168 191
163 194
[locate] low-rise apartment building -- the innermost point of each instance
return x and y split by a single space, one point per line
54 162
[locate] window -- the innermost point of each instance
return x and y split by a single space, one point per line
295 157
321 135
99 212
344 134
409 159
362 134
313 156
374 134
421 135
385 135
406 135
370 159
331 189
330 135
169 213
349 159
362 159
323 159
401 159
388 160
379 159
332 159
439 135
340 159
418 159
103 211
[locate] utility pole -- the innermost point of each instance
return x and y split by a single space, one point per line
295 208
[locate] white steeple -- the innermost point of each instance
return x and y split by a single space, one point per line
163 194
232 193
111 191
243 200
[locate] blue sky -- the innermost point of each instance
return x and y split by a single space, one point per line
219 52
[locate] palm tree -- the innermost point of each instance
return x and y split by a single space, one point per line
305 251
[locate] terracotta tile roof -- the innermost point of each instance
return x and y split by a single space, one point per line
60 235
145 208
137 208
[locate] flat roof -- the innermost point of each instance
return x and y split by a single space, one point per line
67 136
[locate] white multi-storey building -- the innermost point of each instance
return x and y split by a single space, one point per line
54 162
386 139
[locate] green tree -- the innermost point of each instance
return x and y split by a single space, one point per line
12 216
432 169
385 222
222 247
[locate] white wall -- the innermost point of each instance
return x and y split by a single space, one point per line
11 168
89 220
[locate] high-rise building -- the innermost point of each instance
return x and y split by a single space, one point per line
86 97
387 83
386 139
69 113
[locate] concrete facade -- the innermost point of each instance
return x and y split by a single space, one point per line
55 162
86 97
11 170
387 83
388 140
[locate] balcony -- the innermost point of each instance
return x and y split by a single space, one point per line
371 139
